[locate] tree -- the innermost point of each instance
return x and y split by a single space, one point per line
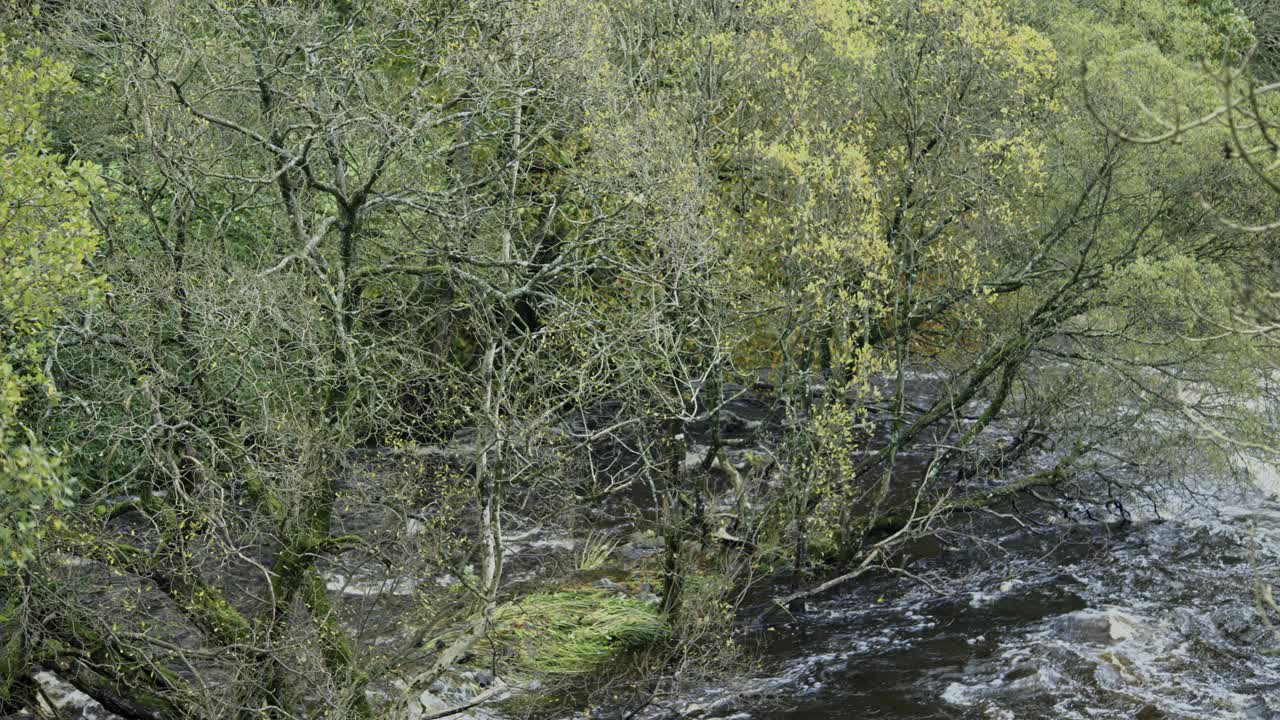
46 240
391 281
48 237
337 227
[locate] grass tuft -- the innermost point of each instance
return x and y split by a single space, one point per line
596 549
575 631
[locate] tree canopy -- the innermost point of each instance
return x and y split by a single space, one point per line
306 302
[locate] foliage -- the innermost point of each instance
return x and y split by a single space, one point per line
390 277
46 239
1197 29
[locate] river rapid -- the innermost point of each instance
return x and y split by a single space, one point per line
1147 619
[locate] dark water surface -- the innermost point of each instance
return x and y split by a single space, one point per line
1136 620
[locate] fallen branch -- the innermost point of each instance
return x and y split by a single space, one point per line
878 551
784 602
881 550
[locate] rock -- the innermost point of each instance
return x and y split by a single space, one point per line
644 539
427 702
1101 627
631 551
1260 709
607 584
695 457
1020 684
1116 670
693 710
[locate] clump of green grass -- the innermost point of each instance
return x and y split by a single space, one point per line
573 631
595 552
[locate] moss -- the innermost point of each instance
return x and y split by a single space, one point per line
571 632
334 647
14 668
614 573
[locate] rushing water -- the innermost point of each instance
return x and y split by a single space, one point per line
1152 619
1146 620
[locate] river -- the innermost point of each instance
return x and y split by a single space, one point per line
1148 619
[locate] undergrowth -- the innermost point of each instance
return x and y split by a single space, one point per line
572 631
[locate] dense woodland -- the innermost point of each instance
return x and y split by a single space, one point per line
292 287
